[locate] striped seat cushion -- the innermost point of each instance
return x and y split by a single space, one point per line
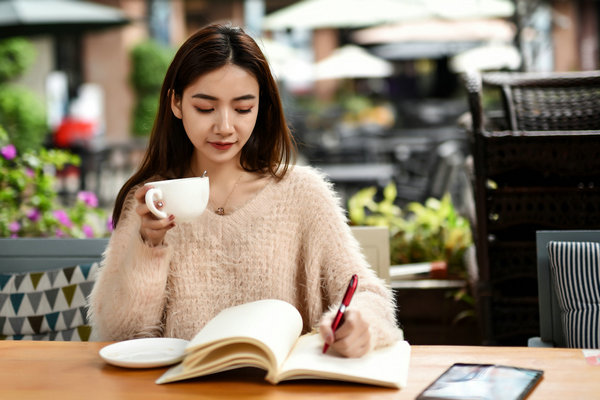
576 271
46 305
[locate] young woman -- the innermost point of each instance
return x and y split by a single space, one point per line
271 229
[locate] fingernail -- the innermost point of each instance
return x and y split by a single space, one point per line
329 339
171 217
159 204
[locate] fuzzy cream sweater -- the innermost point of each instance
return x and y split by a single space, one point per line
290 242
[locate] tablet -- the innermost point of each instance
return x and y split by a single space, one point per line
482 382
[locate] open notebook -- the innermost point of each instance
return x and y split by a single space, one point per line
266 334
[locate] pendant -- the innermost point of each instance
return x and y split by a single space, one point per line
220 211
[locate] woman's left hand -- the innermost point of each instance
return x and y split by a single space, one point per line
352 338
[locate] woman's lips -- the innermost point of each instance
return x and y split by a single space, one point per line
221 145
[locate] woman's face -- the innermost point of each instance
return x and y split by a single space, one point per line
219 112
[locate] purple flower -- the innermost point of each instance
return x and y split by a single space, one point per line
9 151
14 227
34 214
88 231
63 218
109 224
88 198
29 172
59 233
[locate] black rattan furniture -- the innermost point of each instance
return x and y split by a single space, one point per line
549 102
536 166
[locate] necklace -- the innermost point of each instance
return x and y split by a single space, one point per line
221 210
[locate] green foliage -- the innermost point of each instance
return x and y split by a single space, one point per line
364 210
144 114
433 231
23 115
16 56
28 201
150 62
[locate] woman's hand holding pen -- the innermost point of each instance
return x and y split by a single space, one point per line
352 338
152 229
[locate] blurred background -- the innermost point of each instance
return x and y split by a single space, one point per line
373 91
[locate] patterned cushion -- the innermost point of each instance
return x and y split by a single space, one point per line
576 271
46 305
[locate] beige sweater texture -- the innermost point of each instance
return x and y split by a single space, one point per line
290 242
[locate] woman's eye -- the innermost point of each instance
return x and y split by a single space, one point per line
204 110
244 111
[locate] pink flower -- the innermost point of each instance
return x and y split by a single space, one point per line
34 214
63 218
88 231
88 198
109 224
29 172
14 226
59 233
9 151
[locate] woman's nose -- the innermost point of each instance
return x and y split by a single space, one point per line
225 123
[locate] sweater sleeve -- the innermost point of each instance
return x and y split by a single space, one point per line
335 250
128 298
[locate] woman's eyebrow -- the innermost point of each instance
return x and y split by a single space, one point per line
213 98
245 97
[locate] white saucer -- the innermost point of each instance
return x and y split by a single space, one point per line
144 353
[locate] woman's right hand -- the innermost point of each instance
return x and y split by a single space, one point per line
152 229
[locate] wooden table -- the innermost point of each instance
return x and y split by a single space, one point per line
73 370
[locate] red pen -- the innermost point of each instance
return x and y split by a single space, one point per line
337 321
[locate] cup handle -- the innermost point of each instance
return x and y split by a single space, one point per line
151 196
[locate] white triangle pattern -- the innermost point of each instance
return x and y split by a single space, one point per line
46 283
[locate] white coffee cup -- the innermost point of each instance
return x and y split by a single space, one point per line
185 198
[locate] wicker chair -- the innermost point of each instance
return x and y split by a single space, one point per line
536 163
545 102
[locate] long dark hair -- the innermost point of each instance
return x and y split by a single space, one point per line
271 147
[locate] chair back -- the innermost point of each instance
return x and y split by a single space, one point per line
41 254
44 285
375 244
551 328
548 101
535 162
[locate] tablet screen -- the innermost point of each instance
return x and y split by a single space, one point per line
482 381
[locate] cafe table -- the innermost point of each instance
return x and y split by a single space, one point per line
74 370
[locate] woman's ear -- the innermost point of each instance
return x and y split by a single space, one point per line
176 104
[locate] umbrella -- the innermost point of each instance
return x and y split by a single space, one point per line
286 63
487 58
465 9
438 30
352 61
314 14
30 17
278 54
419 50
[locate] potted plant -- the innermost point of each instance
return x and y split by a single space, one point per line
29 205
427 232
432 232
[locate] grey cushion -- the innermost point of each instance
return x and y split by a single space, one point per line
46 305
575 270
